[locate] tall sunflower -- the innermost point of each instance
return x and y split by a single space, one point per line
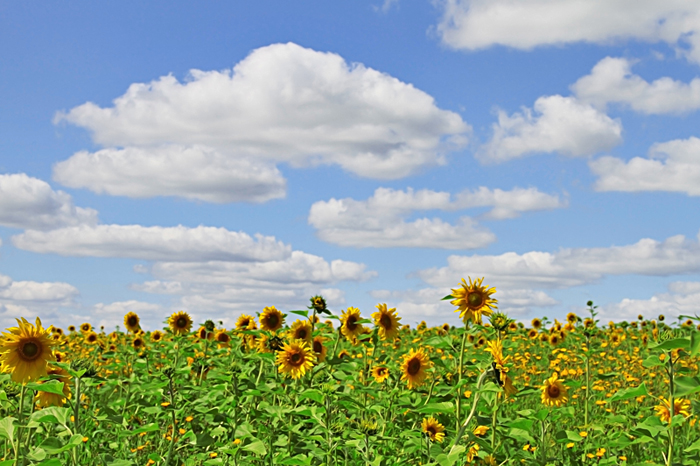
131 322
246 322
180 323
25 351
45 399
271 319
387 322
433 429
414 367
85 327
301 330
350 328
554 392
295 358
473 300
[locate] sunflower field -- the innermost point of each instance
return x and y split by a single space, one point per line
311 387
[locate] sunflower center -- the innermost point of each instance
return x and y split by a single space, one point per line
30 350
181 322
223 338
431 430
245 323
272 321
475 299
553 391
385 320
351 323
414 366
133 321
137 343
318 347
301 334
296 359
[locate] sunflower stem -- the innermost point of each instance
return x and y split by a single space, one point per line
463 427
20 415
672 408
76 406
459 373
260 370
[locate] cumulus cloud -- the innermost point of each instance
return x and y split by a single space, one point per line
110 315
682 299
30 299
672 166
153 243
27 202
571 266
612 81
282 104
380 221
478 24
561 125
193 172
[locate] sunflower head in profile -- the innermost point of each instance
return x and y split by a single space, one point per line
318 304
246 322
156 335
319 348
271 319
433 429
473 300
301 330
180 323
295 358
85 327
26 350
131 322
414 368
387 322
46 399
380 373
554 392
349 323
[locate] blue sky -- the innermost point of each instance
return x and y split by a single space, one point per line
222 158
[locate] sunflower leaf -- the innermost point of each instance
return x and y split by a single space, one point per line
694 344
7 428
668 345
53 386
449 296
627 393
256 446
686 385
301 313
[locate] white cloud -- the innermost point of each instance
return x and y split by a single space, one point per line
110 315
672 166
153 243
682 300
27 202
29 299
612 81
570 267
380 221
526 24
282 104
562 125
193 172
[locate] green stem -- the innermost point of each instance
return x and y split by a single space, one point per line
672 408
463 427
20 415
459 374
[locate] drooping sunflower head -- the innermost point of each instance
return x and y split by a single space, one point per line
554 392
295 358
271 319
131 322
495 347
433 429
387 322
349 320
85 327
319 348
473 300
414 368
301 330
204 334
26 350
380 373
180 323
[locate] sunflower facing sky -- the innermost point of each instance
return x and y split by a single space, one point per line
180 323
348 319
414 367
295 358
473 300
271 319
387 322
26 350
554 392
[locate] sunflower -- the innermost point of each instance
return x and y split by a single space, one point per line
350 328
387 322
271 319
222 338
85 327
536 324
91 338
156 335
532 334
414 367
319 304
319 348
71 328
180 323
554 339
246 322
131 322
680 406
25 351
344 354
301 330
380 373
204 334
571 317
45 399
137 343
473 300
554 392
295 358
433 429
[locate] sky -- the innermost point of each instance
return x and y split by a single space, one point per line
221 157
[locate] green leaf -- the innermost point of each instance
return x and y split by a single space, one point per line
51 462
694 347
608 376
312 394
147 428
669 345
652 361
443 407
695 446
53 445
686 385
52 386
120 463
449 296
301 313
627 393
257 447
7 428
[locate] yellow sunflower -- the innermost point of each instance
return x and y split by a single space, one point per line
350 328
319 348
246 322
536 323
91 338
25 351
222 338
433 429
71 328
473 300
414 367
137 343
380 373
85 328
180 323
45 399
271 319
571 317
131 322
295 358
554 392
156 335
532 334
680 406
301 330
387 322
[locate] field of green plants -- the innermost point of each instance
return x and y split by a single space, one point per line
317 387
